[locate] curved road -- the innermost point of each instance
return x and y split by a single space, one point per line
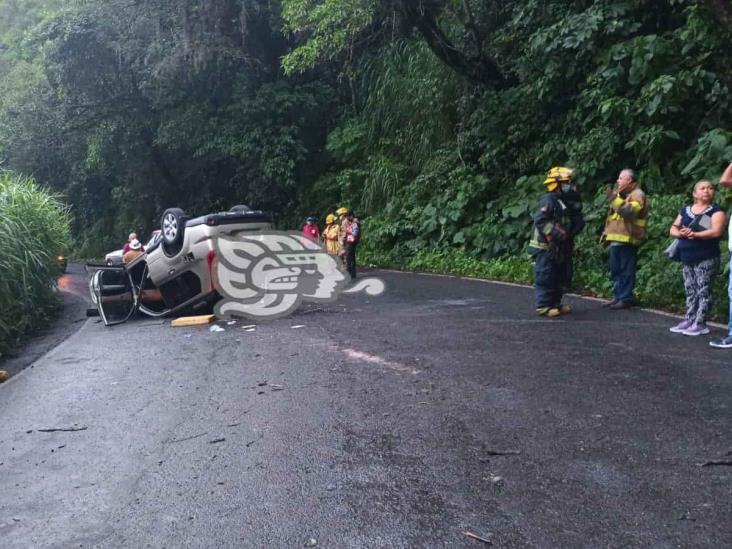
405 420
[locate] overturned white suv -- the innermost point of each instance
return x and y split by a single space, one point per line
176 272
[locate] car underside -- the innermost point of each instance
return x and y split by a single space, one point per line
177 273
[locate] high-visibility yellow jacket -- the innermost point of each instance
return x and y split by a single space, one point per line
331 235
627 218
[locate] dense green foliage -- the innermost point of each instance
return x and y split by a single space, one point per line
435 119
35 229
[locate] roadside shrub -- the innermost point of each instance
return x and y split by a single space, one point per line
35 228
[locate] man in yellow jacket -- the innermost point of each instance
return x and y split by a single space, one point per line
625 229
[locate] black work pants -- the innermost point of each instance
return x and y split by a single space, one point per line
351 258
552 276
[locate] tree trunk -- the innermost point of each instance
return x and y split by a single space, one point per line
480 70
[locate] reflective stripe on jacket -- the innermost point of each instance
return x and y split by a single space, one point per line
627 219
552 223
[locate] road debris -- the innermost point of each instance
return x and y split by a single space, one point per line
63 429
199 435
248 444
250 330
502 452
714 462
216 328
298 326
276 387
3 375
231 322
198 320
217 440
311 542
249 327
471 535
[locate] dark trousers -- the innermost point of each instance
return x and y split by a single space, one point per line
552 276
623 262
351 258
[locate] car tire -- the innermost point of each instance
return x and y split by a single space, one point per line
172 225
241 208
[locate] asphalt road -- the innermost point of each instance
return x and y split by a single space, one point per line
403 420
74 299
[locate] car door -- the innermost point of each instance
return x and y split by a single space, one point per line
113 292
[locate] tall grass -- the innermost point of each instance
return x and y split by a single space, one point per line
34 229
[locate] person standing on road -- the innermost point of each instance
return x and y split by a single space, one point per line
351 240
726 342
698 228
311 230
625 229
557 222
342 212
330 234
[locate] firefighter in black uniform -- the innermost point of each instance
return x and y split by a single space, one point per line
556 223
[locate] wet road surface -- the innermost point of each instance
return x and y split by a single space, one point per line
403 420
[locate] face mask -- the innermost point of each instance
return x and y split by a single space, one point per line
566 187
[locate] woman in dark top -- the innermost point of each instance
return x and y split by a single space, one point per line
698 228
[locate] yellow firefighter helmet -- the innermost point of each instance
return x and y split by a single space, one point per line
557 175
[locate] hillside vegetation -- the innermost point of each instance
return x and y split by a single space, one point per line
35 229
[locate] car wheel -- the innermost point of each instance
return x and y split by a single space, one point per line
172 226
241 208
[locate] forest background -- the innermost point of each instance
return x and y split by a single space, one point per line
434 120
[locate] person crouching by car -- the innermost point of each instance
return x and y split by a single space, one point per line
557 221
350 242
135 250
698 228
311 230
126 247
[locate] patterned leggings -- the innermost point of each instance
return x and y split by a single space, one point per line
698 286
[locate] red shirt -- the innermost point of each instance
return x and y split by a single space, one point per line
311 231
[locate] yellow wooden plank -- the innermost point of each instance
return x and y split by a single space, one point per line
192 320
